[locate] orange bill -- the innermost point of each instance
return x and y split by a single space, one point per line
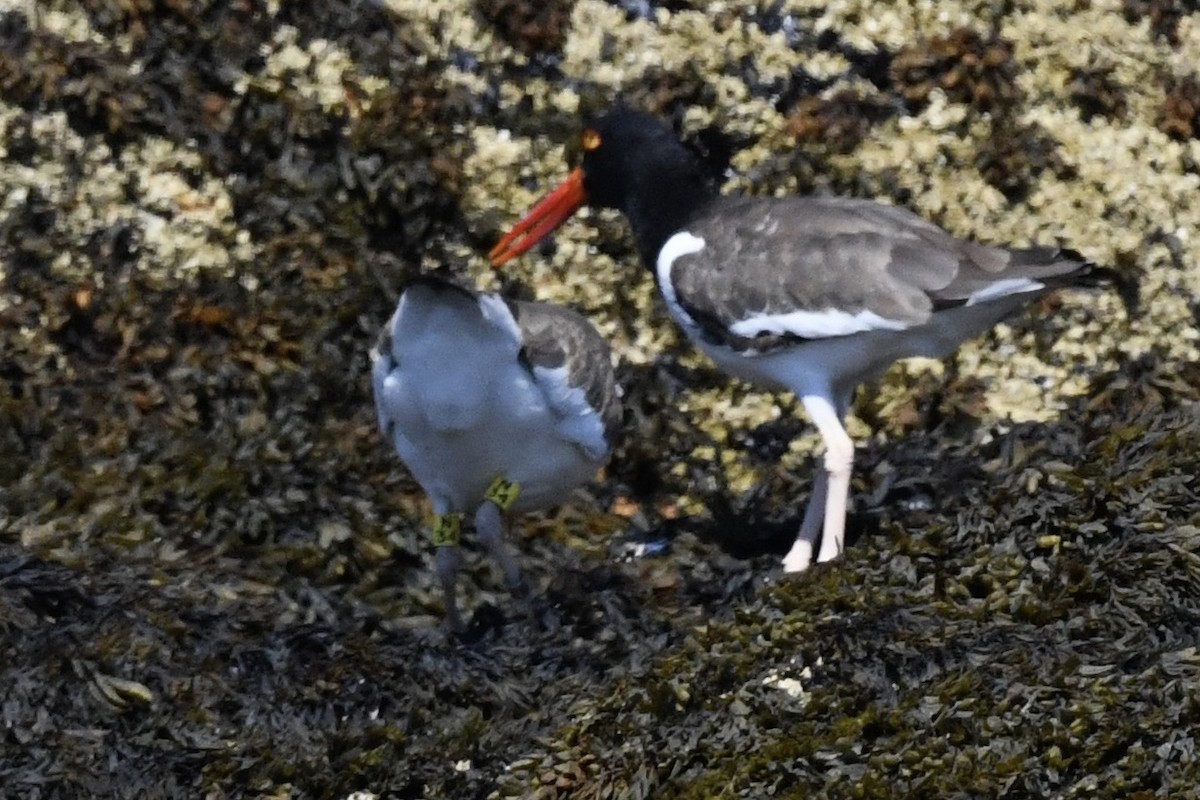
550 212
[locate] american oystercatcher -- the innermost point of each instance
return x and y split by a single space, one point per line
809 294
494 405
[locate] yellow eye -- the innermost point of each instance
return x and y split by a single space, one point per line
590 140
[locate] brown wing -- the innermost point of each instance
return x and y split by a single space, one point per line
765 257
555 336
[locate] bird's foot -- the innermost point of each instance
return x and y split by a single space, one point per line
799 558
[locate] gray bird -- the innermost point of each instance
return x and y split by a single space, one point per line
494 405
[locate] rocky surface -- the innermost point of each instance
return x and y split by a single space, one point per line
214 577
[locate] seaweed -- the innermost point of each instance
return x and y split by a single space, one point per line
214 576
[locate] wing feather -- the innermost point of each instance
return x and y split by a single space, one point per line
572 365
810 268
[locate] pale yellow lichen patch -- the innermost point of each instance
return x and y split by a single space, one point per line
691 34
1182 59
316 69
1130 182
443 27
867 26
1051 47
605 48
824 66
184 228
74 28
495 167
1125 167
50 178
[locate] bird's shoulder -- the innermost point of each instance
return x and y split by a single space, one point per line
569 360
806 267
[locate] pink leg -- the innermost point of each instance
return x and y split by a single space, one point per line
799 558
839 458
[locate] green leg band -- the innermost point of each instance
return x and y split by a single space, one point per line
503 493
447 530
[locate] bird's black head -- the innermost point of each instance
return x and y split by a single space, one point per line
633 162
621 149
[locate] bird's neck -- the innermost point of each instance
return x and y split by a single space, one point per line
663 203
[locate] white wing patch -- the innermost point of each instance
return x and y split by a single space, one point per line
381 376
1003 288
576 420
681 244
383 361
815 324
805 324
496 311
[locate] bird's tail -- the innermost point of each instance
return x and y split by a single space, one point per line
1084 274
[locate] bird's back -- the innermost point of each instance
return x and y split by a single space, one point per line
767 259
446 354
470 387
